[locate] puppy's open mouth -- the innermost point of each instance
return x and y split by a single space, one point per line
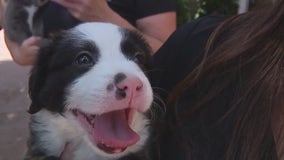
110 131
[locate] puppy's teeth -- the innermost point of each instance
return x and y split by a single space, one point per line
93 121
117 150
108 146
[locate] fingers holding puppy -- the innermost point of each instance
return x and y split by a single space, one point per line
25 53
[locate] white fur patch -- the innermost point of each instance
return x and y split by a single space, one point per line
31 11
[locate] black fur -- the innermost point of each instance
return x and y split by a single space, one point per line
55 69
135 47
16 25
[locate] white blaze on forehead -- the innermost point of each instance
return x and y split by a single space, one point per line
106 36
31 11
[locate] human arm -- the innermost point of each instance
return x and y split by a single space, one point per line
2 8
155 28
24 54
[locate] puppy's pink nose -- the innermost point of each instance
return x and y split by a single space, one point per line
128 86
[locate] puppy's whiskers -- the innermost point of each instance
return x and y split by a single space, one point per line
158 107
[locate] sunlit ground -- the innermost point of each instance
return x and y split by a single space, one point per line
4 53
13 106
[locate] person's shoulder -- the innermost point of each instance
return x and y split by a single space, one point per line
186 34
202 24
183 51
133 10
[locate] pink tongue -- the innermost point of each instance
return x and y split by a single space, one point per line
112 129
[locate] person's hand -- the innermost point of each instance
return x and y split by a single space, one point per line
26 53
87 10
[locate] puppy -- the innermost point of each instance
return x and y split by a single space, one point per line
25 18
20 19
89 90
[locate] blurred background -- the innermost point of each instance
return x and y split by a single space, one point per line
14 78
188 10
13 105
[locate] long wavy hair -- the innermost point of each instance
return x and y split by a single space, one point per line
246 50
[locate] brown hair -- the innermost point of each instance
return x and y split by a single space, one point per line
248 51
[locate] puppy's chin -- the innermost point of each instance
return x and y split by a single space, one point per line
110 132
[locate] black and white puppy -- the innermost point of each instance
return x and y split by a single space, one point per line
20 20
89 90
25 18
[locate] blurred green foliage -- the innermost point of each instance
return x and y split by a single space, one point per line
188 10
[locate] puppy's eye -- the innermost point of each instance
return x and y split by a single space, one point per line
139 57
85 59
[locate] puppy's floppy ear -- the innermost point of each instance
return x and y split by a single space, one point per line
38 76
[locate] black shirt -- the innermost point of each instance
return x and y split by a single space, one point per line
182 52
57 17
199 136
133 10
